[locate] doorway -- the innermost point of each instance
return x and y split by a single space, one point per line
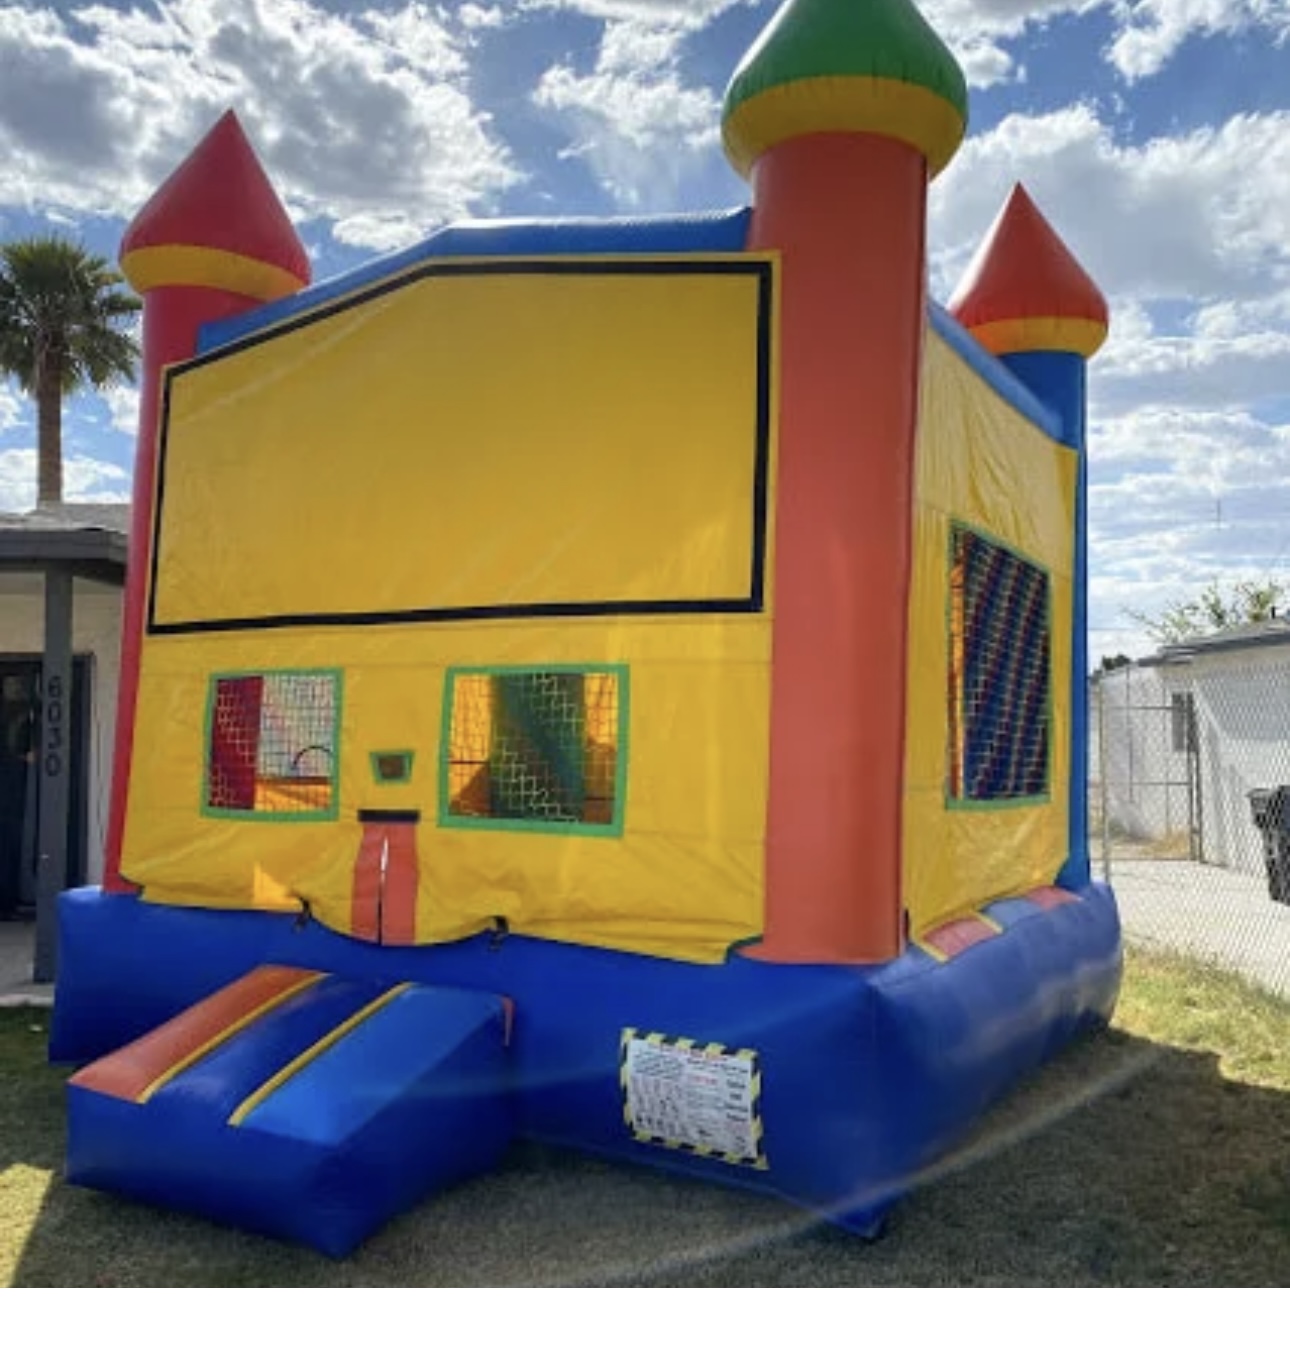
20 709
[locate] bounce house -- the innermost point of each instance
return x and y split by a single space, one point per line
613 683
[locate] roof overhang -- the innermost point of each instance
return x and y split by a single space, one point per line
97 554
1183 654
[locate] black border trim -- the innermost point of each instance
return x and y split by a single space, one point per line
752 603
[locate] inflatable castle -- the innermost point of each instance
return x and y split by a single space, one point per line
615 683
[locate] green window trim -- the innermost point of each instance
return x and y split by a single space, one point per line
380 758
328 813
1004 803
611 828
997 804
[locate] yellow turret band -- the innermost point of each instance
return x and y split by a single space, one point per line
1026 334
169 266
887 108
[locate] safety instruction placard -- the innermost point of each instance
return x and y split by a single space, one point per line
695 1097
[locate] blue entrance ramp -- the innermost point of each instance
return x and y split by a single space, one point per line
300 1104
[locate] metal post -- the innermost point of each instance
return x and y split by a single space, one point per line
1104 774
1129 728
1193 773
54 756
1193 738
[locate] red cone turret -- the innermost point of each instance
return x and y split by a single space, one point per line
217 222
1025 290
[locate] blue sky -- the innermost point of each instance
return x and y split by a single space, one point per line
1154 133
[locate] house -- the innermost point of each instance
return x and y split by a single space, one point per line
71 557
1189 733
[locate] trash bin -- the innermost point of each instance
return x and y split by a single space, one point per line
1271 811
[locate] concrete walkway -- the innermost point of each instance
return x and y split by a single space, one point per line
17 943
1213 914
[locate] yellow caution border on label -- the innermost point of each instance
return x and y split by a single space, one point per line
758 1162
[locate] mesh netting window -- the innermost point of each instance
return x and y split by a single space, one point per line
535 748
272 744
999 673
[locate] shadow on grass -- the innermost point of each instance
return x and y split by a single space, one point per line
1125 1162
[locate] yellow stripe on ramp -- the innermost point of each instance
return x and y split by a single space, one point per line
302 1060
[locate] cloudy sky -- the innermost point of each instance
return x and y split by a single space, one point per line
1154 133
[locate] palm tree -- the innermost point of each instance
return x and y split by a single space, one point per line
64 325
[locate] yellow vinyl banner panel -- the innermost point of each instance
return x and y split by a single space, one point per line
987 763
475 439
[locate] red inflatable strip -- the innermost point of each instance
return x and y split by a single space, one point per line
1048 898
402 875
137 1070
951 939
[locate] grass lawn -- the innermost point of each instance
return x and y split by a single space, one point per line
1155 1153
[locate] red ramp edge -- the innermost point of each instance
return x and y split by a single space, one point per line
139 1069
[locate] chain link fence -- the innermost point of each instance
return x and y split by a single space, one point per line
1190 794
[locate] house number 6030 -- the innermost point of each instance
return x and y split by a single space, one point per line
54 718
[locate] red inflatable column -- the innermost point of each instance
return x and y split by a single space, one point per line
851 334
212 242
839 110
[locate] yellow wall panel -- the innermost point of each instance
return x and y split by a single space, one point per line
480 440
473 440
684 879
982 464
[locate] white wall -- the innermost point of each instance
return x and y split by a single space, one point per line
96 632
1242 708
1243 715
1146 779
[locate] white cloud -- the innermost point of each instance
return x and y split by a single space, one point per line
635 121
480 16
12 409
1213 452
92 479
1147 32
417 36
647 114
1152 31
362 118
1188 483
684 14
1216 507
123 407
1196 372
976 31
84 479
985 63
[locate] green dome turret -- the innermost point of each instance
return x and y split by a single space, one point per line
846 66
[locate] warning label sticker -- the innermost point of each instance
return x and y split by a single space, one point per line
694 1097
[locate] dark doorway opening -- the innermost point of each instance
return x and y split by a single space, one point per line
20 710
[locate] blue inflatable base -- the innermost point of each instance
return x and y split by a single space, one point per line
867 1075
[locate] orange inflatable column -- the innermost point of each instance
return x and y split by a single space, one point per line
839 111
850 339
213 241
